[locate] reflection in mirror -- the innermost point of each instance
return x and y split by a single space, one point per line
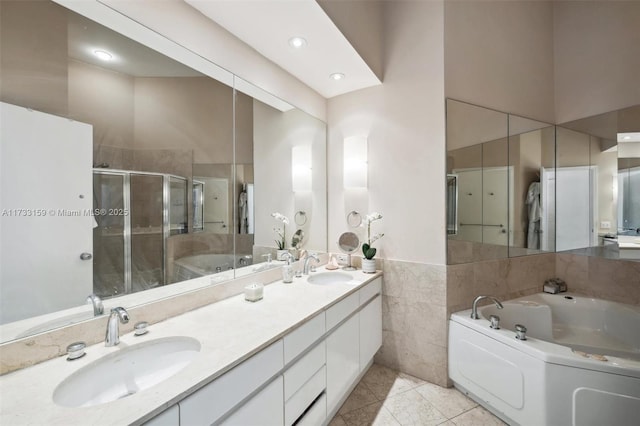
117 189
598 158
497 206
349 243
298 239
532 162
288 175
478 163
147 193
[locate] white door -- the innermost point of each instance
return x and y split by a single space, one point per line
548 208
576 189
495 206
469 205
45 203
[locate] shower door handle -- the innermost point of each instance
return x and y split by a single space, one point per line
86 256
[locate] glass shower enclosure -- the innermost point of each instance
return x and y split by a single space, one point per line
135 213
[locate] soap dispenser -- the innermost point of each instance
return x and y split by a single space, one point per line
287 269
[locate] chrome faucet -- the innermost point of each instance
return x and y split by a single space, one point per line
98 308
118 315
305 268
474 309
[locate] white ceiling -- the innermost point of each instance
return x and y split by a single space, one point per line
267 26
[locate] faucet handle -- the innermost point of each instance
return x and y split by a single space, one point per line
98 307
122 313
268 256
495 322
140 328
76 351
521 331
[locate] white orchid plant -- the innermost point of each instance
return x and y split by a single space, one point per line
281 232
368 251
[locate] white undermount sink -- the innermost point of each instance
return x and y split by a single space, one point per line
128 371
323 278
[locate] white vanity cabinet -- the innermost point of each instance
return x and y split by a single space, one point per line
300 379
219 397
263 409
370 330
352 345
343 360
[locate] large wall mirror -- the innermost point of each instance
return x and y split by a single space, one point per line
495 165
130 176
517 186
598 191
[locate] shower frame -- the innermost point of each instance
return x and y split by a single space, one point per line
166 225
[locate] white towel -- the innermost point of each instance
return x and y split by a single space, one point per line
535 213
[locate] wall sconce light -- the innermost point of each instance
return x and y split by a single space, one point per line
355 162
301 168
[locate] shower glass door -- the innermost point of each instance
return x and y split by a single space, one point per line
147 233
108 234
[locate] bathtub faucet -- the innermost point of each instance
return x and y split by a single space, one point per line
474 309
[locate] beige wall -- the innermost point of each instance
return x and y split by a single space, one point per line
596 57
404 122
105 99
361 22
188 113
500 54
34 71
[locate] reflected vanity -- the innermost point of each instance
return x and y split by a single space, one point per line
178 176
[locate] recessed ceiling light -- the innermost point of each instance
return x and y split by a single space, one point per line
297 42
336 76
101 54
629 137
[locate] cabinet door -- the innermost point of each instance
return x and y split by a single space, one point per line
343 360
370 331
169 417
265 409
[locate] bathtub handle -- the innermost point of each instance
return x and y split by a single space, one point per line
521 331
495 322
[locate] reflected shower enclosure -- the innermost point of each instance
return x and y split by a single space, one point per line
135 213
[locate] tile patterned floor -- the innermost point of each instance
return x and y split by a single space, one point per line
385 397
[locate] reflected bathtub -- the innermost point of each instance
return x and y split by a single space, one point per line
580 364
199 265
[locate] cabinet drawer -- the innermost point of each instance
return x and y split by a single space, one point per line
342 309
302 337
218 397
303 369
317 414
302 399
370 290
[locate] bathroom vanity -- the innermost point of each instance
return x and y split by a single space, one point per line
292 357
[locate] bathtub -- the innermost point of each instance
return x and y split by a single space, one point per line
199 265
580 364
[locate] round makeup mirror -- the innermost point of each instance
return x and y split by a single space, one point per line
348 243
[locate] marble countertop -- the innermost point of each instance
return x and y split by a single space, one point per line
229 331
